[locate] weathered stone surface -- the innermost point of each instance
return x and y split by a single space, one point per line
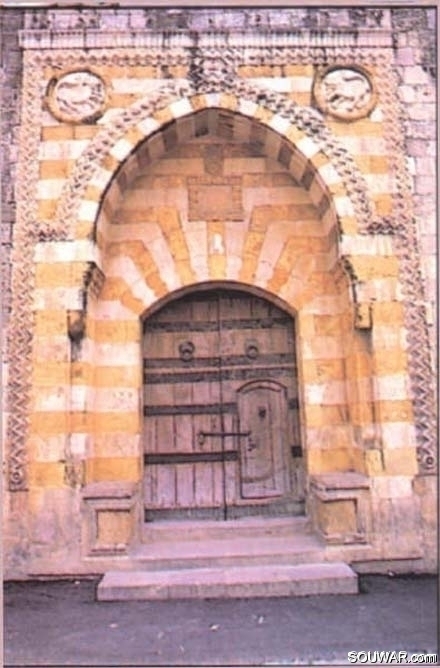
246 183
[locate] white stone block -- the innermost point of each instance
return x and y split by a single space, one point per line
376 115
398 435
78 444
307 147
300 84
69 149
278 84
343 206
118 399
212 99
101 178
79 398
181 108
110 310
247 108
391 388
144 293
329 174
88 210
279 124
50 188
148 126
117 354
57 298
52 399
121 149
392 487
135 86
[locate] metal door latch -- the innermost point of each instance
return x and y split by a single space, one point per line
201 436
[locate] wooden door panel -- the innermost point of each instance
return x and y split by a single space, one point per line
199 354
262 411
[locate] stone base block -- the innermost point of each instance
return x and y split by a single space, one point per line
339 505
110 517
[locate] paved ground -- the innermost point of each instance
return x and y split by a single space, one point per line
61 624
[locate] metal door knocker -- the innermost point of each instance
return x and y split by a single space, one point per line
186 351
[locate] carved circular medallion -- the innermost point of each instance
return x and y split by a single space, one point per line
344 92
78 96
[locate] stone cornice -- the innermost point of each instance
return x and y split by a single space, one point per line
275 39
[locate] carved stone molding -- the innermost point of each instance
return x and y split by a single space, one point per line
24 238
347 93
77 96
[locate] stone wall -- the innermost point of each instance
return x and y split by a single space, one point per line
11 70
312 206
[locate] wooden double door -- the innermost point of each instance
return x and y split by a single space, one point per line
221 420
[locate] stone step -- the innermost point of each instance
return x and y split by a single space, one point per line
235 550
274 580
177 530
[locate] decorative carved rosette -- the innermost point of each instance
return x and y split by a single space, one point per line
76 96
344 92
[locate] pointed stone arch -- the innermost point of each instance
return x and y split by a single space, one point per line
303 137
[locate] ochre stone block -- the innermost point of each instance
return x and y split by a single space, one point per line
369 267
85 131
117 331
83 229
163 116
228 101
359 128
113 288
299 71
301 97
121 100
388 313
57 132
361 412
374 464
332 460
115 422
93 193
46 474
132 303
47 208
113 468
185 272
247 71
327 325
400 461
348 224
337 517
383 204
49 323
317 371
117 376
110 163
50 374
114 527
54 275
390 361
394 411
55 169
321 416
49 422
217 267
178 71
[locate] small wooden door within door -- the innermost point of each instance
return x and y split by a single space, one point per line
221 428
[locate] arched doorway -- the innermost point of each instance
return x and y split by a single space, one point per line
221 418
